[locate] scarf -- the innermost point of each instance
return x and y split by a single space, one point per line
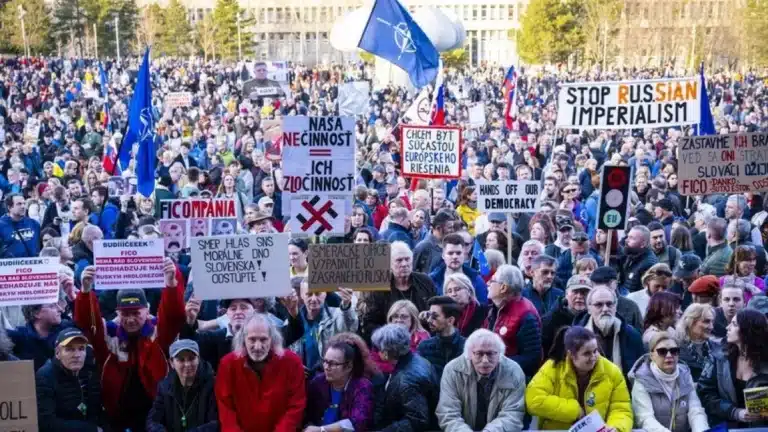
466 316
616 354
668 381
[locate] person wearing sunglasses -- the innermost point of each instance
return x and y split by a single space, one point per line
740 365
575 381
664 395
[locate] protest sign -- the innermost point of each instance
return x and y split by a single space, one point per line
364 267
354 98
318 172
32 130
590 423
240 266
177 232
178 100
756 400
431 151
629 104
18 409
723 164
29 281
192 215
477 115
117 186
419 113
508 196
128 264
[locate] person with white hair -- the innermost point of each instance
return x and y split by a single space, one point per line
410 396
483 389
257 366
515 319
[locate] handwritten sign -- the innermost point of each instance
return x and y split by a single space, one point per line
29 281
431 151
178 100
723 164
364 267
508 196
629 104
240 266
127 264
18 409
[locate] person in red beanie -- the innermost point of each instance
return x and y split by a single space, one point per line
260 385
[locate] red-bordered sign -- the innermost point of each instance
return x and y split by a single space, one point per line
431 151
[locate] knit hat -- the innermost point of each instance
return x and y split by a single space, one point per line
706 285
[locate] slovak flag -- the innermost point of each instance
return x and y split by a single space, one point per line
109 161
509 88
438 103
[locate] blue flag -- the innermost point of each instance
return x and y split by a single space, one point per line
482 262
104 94
141 130
706 123
393 35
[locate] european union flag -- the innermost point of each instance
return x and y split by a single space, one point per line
392 34
104 93
141 130
479 257
706 123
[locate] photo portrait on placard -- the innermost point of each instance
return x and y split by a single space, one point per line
117 186
224 227
199 227
175 235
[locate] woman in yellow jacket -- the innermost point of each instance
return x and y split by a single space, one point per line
466 207
575 381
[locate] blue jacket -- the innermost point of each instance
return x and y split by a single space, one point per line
548 303
481 290
565 265
591 213
396 232
28 345
107 220
439 350
26 246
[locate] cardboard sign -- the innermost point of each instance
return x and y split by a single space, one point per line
629 104
32 130
723 164
364 267
508 196
431 151
178 100
240 266
590 423
128 264
477 115
318 172
29 281
18 409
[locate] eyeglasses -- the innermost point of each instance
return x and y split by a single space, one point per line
330 364
400 317
600 305
479 355
454 290
664 351
569 191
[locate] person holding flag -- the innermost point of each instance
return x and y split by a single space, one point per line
509 89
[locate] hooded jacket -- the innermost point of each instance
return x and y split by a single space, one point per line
177 409
654 409
60 393
552 396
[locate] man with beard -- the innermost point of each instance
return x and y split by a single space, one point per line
569 307
619 342
665 254
578 249
607 277
638 258
447 343
539 290
259 366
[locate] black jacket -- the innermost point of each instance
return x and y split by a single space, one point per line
409 401
440 350
198 404
59 394
633 267
557 318
377 303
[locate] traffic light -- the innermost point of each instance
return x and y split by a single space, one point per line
613 204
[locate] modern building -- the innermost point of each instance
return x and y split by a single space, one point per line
298 30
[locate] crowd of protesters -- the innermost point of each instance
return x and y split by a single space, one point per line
490 323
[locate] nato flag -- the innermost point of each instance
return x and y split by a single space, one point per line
141 130
706 123
393 35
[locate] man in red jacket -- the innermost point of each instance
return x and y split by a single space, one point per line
131 350
260 385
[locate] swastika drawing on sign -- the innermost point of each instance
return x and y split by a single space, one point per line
318 216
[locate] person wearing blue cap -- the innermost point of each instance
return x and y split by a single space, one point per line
185 398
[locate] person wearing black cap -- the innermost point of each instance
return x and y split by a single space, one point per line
687 270
379 182
665 212
625 308
428 254
131 350
578 249
186 400
68 387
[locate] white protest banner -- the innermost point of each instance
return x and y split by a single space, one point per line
240 266
508 196
178 100
590 423
419 113
18 409
723 164
29 281
431 151
318 172
32 130
354 98
477 115
190 215
629 104
129 264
